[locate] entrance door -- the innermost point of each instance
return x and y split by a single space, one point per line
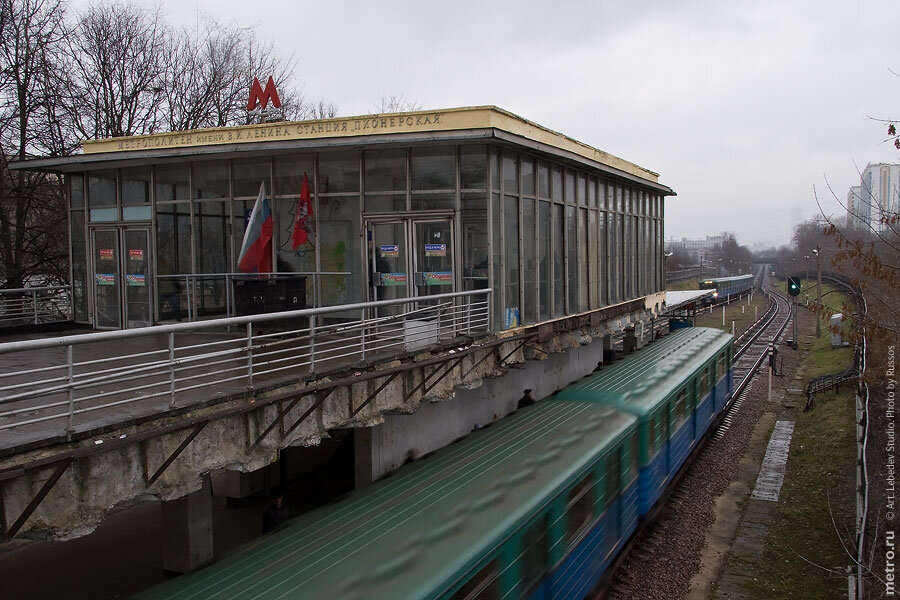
121 277
410 257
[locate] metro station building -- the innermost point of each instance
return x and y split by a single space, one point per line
402 205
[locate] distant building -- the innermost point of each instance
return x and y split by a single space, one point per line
878 195
698 250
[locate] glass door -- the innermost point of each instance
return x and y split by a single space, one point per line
389 261
122 280
433 257
107 279
136 256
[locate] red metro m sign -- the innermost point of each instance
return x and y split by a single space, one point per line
261 96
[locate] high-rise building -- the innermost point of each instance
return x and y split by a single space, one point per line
878 196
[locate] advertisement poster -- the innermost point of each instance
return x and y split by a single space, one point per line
435 249
106 279
512 317
106 253
136 254
136 280
390 251
393 279
438 278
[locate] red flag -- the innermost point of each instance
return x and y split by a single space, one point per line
302 215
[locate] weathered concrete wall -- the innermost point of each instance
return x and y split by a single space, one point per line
95 484
385 447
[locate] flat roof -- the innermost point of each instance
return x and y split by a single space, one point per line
450 125
676 300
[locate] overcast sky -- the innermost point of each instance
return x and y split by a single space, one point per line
741 107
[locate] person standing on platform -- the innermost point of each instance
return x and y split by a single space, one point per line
276 513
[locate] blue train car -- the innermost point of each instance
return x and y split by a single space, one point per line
536 506
726 287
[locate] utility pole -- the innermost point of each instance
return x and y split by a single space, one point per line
818 291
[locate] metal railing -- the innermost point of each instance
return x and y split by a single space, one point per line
33 305
154 369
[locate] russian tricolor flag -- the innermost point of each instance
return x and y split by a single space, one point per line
256 250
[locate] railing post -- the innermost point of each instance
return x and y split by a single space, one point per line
171 369
190 297
312 343
363 329
70 376
34 306
250 356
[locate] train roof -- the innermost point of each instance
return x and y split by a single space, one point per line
726 279
407 535
639 382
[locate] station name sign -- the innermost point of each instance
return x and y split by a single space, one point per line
274 131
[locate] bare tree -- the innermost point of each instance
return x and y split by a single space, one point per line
397 103
32 207
117 58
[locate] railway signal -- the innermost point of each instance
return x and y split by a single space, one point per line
794 286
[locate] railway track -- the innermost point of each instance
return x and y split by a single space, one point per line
629 582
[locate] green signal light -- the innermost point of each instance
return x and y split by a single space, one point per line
794 286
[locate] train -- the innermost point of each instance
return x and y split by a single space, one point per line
727 287
536 505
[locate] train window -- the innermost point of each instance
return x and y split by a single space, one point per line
483 586
613 482
534 553
579 508
704 382
720 367
633 457
680 408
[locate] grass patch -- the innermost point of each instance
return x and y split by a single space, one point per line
804 555
733 312
813 521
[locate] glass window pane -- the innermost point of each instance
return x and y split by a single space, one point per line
136 185
385 203
602 194
173 257
528 250
79 265
211 180
211 220
528 176
475 241
570 187
473 167
495 169
385 170
136 213
433 168
571 259
592 192
495 258
289 170
556 188
249 174
339 250
512 316
338 172
102 188
171 182
101 215
543 180
593 257
582 259
76 183
510 177
433 201
559 305
534 554
544 258
581 190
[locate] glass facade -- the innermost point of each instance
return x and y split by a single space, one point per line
549 239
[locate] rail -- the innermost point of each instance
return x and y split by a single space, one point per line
160 368
779 302
34 305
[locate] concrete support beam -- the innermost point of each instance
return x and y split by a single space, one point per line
188 530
